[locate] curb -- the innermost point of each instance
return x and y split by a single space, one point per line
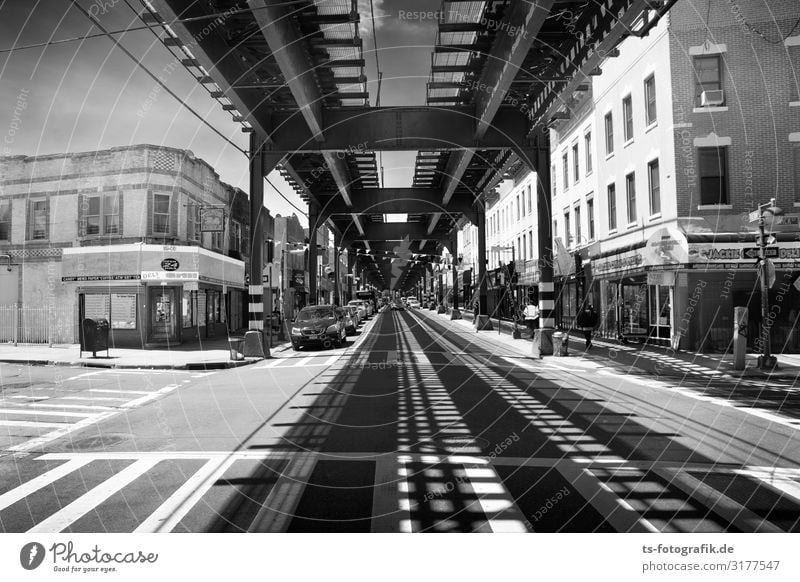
187 366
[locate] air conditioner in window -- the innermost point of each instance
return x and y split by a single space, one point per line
712 98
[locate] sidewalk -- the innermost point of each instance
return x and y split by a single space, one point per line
639 359
208 355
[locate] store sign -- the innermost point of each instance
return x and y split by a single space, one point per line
627 261
662 278
170 264
170 276
298 279
667 246
212 219
101 278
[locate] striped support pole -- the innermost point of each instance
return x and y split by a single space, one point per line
256 307
547 305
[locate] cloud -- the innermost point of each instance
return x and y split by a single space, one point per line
381 16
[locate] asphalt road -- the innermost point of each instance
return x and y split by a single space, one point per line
414 426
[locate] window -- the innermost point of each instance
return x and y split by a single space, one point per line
708 77
578 237
795 159
161 212
101 214
236 236
530 243
627 118
530 201
5 220
590 217
654 185
524 246
650 99
713 169
609 134
565 159
630 191
567 228
575 163
193 221
518 217
553 180
587 143
612 207
38 218
216 240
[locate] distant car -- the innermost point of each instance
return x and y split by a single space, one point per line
413 302
362 309
319 324
398 306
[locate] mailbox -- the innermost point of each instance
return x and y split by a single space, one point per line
95 336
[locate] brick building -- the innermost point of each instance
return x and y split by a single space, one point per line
125 234
692 126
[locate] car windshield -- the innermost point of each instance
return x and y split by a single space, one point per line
310 314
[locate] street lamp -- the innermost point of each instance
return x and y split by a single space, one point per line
766 361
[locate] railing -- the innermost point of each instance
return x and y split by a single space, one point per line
51 324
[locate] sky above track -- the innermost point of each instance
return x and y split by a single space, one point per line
85 95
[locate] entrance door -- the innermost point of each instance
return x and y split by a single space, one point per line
163 303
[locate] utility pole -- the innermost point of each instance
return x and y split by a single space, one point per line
766 361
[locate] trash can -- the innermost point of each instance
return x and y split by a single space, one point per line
94 336
560 343
236 345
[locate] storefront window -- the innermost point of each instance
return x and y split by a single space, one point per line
660 310
634 308
187 309
201 309
123 311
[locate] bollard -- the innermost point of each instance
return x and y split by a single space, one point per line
739 337
558 339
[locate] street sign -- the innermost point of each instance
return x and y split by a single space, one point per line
752 252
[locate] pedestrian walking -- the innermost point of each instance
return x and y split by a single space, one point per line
531 316
587 321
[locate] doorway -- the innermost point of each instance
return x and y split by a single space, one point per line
163 317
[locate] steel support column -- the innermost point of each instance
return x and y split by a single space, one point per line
536 154
313 254
482 321
260 165
337 241
456 313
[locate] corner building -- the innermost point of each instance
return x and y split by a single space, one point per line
146 237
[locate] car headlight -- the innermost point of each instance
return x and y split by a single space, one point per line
296 331
332 329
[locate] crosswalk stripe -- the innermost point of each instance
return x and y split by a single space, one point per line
331 360
174 509
44 412
32 486
95 398
118 391
68 406
271 364
303 362
31 424
91 499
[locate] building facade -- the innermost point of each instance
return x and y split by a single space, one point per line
693 127
143 236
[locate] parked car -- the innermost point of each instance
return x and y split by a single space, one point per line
319 324
362 308
413 302
354 320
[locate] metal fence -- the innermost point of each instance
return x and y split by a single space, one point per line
51 324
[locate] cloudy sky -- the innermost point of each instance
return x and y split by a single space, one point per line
84 95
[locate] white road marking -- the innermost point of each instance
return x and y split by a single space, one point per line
51 476
94 398
51 436
170 513
303 362
43 412
31 424
331 360
271 364
91 499
68 406
117 391
84 375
